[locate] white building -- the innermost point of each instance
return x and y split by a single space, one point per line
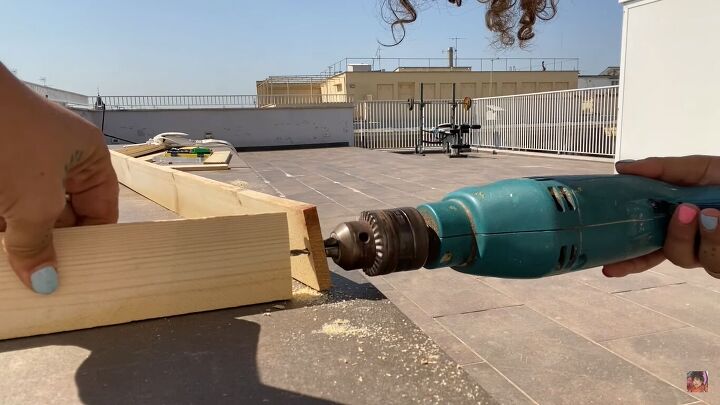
661 113
608 77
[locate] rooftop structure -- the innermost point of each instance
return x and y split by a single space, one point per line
608 77
376 78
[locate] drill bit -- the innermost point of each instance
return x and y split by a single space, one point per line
299 252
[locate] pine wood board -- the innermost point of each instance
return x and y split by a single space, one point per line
141 149
199 168
118 273
193 196
219 157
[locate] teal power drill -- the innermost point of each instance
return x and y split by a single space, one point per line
520 228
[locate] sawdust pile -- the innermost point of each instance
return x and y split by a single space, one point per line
304 295
239 183
342 327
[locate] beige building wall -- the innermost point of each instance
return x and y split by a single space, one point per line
438 84
281 89
289 93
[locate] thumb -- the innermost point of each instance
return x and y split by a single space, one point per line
31 253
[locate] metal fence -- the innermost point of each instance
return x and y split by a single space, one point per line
392 125
476 64
57 95
580 122
219 101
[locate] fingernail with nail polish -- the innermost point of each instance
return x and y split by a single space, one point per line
686 214
708 222
625 161
44 280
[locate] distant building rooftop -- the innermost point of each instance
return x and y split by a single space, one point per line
378 64
433 69
611 72
293 79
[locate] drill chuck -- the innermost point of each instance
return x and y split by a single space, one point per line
381 242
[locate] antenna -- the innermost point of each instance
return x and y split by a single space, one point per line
456 39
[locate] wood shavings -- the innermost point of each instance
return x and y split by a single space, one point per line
342 327
239 183
304 295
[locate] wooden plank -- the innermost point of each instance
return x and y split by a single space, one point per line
141 149
193 196
112 274
158 184
220 157
152 156
199 168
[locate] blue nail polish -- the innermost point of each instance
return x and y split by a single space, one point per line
708 222
44 280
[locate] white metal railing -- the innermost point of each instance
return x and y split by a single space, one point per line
476 64
220 101
581 122
57 95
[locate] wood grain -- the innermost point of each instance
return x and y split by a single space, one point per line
112 274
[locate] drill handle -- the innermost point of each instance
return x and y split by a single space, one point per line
703 197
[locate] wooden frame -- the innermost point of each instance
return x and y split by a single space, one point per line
232 248
192 196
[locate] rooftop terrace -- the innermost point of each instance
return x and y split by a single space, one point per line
577 338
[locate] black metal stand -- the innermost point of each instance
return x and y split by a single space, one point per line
451 136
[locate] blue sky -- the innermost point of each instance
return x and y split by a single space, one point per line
156 47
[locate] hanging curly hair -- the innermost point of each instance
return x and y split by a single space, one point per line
503 17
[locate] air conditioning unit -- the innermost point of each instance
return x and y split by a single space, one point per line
361 67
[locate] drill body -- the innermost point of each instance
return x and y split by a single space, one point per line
519 228
542 226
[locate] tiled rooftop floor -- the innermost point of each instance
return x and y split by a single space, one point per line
578 338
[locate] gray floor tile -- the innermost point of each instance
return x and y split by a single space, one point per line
583 309
406 202
444 291
496 384
361 203
694 305
670 355
332 210
433 195
697 277
292 189
135 208
389 193
308 196
631 282
379 283
456 349
552 364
